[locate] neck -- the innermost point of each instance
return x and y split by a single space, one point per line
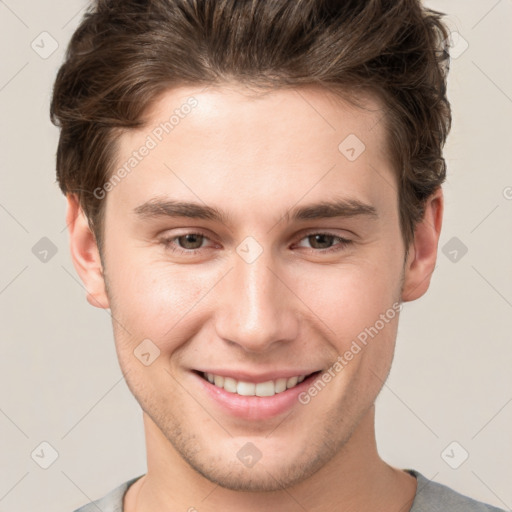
356 477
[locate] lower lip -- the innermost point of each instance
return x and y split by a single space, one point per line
255 408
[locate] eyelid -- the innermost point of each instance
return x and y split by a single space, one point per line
326 231
178 232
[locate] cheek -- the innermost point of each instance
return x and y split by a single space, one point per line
350 298
157 301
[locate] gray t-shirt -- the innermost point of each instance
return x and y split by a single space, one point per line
430 497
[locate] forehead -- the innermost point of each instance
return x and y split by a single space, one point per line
288 113
209 142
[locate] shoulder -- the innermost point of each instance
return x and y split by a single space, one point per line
111 502
434 497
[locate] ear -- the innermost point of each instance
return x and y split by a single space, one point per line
422 256
85 254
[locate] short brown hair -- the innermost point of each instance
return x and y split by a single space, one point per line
126 52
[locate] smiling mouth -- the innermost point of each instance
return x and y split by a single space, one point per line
262 389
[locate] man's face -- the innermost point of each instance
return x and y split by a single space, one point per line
256 296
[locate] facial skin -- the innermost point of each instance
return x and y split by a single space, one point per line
295 307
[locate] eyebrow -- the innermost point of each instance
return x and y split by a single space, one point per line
155 208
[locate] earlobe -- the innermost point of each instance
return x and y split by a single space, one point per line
85 254
422 256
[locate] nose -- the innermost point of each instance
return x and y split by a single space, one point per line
256 309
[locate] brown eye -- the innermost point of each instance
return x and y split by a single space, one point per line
190 241
321 240
186 244
322 243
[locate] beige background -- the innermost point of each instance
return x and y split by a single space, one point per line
61 383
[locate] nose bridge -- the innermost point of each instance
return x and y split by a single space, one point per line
255 308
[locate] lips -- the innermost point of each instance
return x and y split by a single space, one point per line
250 406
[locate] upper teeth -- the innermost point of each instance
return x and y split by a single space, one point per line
269 388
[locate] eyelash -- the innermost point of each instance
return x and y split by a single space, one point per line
168 243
